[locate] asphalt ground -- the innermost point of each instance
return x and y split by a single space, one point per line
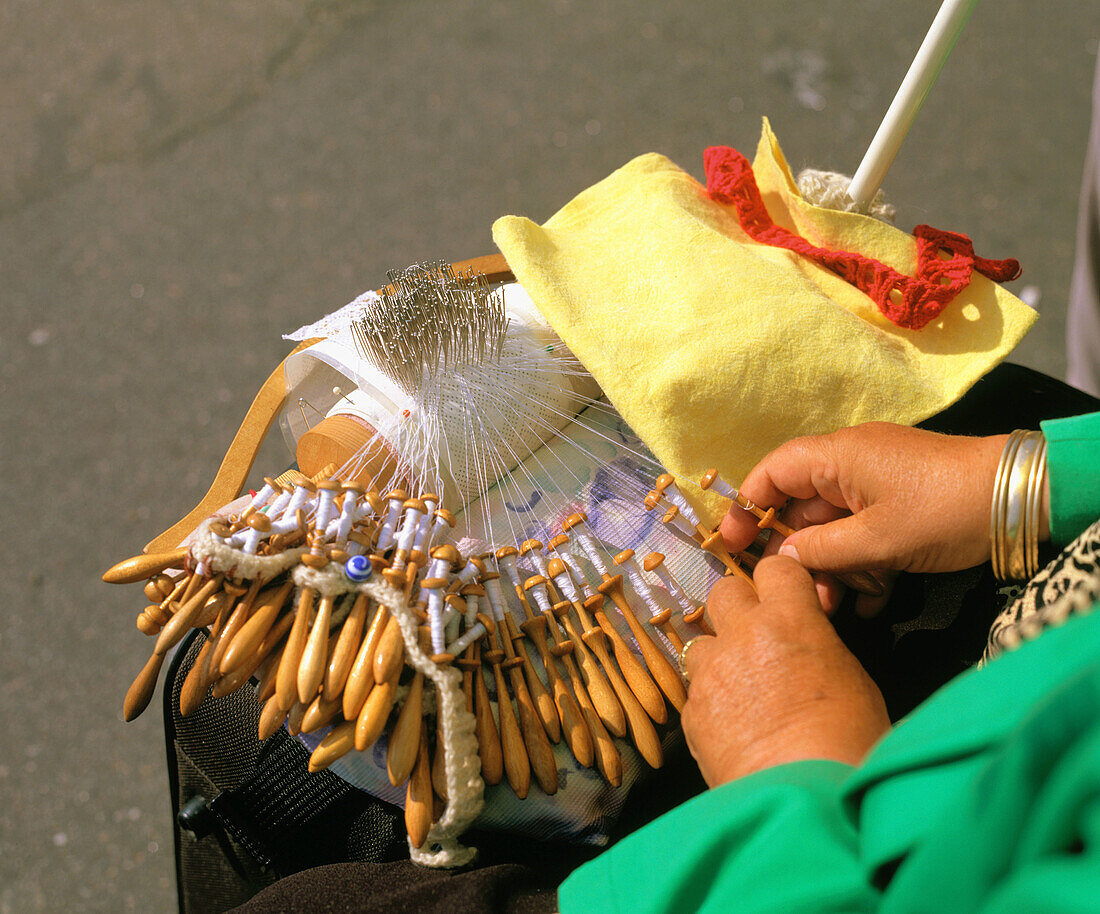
182 184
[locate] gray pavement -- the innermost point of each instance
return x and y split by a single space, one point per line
183 183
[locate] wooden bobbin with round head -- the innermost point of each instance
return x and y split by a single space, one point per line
574 520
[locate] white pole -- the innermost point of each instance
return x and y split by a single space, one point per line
926 66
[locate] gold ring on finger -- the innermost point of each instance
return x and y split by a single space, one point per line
683 656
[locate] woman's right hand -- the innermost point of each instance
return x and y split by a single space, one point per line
875 497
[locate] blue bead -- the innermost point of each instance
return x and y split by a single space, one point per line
358 569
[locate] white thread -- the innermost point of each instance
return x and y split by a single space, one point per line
674 588
593 553
459 645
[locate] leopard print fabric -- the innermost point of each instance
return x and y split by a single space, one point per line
1069 584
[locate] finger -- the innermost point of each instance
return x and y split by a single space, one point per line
803 468
848 544
830 592
867 606
738 528
698 656
728 597
809 512
785 581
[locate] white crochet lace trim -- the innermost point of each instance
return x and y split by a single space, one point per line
223 559
461 761
829 190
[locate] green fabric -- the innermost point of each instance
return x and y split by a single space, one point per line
1073 456
986 799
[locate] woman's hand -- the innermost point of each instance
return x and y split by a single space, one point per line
875 497
776 685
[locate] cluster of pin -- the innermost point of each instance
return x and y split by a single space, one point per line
429 318
538 624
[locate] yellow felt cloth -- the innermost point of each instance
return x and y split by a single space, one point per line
715 348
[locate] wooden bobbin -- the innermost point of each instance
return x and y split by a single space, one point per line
346 647
592 667
244 643
403 746
361 675
665 675
517 764
477 701
267 648
418 794
375 712
574 728
311 668
539 752
140 567
544 703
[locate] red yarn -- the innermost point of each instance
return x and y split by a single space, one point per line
940 276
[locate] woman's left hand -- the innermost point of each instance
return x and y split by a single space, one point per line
776 684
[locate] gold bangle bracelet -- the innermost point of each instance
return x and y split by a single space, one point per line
997 510
1017 500
1035 484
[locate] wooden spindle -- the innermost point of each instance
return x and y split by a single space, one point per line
311 668
259 623
338 742
665 675
401 752
347 646
286 685
577 735
183 618
361 676
376 710
418 794
517 764
242 672
140 567
141 690
539 752
637 677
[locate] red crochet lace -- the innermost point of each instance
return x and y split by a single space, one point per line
945 260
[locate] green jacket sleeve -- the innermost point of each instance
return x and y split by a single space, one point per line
1073 470
779 840
987 798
